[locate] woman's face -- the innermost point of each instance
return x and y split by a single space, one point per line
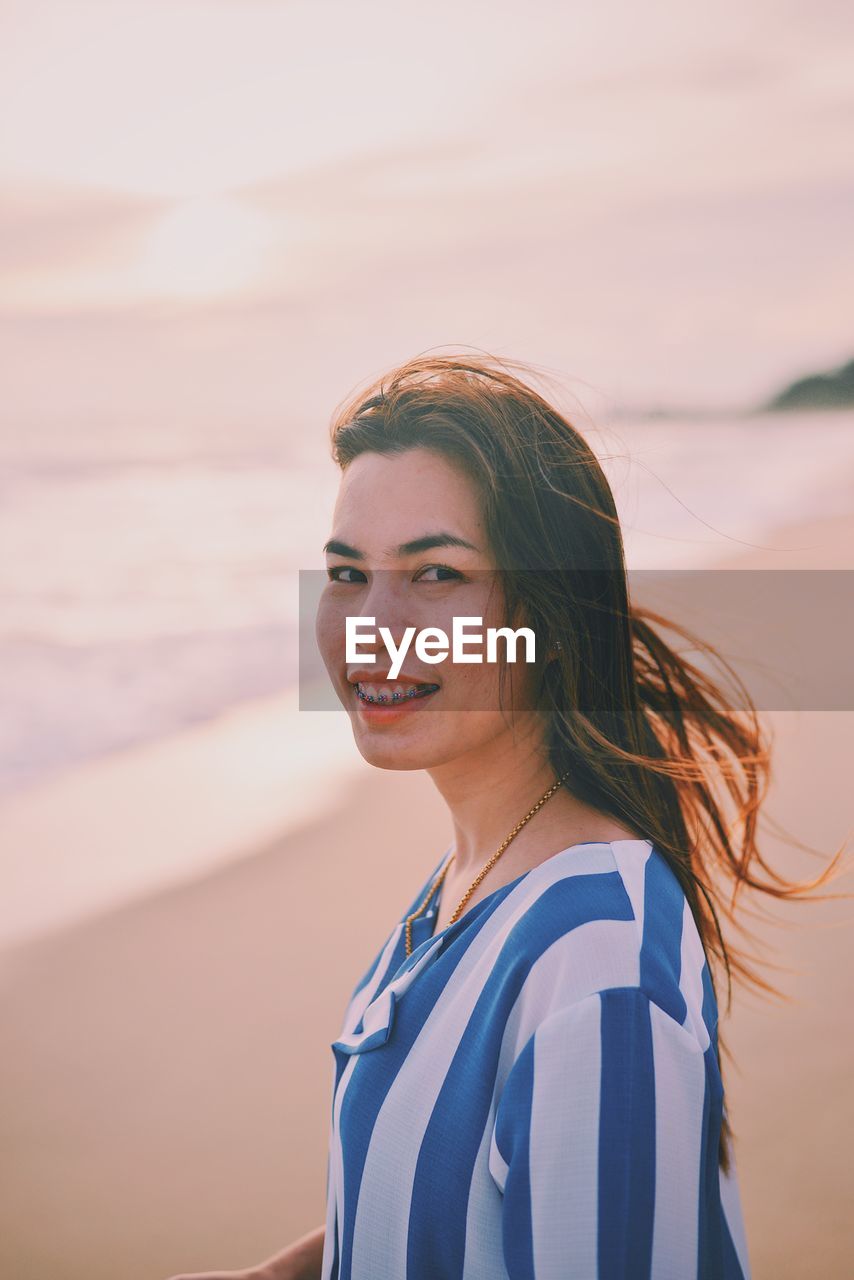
384 503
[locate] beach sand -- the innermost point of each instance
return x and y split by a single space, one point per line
166 1073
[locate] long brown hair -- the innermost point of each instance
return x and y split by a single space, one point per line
639 732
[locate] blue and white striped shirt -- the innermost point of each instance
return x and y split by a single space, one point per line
534 1094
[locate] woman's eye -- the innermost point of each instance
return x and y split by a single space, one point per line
336 571
441 568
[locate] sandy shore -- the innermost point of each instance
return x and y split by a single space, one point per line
167 1066
166 1073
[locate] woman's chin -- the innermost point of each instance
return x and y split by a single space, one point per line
398 749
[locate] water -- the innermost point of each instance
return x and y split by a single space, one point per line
148 584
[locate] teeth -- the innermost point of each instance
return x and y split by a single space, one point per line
395 691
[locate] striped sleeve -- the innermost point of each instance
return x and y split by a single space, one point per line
597 1144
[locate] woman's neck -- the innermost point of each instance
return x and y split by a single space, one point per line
487 798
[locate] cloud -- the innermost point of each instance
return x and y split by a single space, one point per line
47 226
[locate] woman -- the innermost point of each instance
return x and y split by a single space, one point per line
528 1077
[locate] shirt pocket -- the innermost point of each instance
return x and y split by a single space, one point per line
378 1017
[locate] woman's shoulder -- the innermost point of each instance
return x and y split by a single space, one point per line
602 916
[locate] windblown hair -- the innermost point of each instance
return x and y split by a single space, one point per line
636 730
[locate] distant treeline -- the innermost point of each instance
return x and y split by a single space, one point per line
832 390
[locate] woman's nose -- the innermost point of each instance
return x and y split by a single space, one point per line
388 602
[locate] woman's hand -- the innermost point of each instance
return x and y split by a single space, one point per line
301 1260
253 1273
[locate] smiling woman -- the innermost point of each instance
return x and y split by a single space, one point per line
527 1078
548 1099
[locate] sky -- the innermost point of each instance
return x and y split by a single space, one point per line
218 208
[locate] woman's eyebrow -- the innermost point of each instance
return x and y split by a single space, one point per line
424 543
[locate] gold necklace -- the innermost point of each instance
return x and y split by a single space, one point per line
484 869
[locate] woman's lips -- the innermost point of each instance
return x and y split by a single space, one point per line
386 708
393 697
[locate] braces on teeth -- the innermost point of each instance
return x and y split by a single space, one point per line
381 697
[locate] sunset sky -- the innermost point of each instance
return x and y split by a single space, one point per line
225 206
